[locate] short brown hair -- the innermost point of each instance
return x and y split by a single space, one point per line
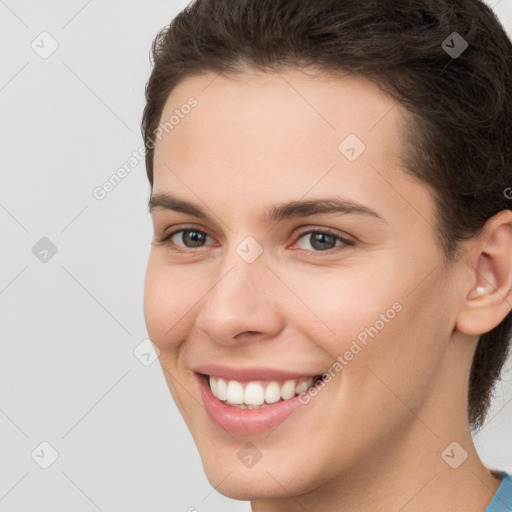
460 106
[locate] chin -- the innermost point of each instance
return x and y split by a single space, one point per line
275 475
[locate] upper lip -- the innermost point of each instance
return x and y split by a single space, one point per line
251 373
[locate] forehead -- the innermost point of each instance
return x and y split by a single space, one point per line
282 132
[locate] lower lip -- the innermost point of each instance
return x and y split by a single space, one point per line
245 421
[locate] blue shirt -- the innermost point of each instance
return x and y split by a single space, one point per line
502 500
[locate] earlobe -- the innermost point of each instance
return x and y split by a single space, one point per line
488 298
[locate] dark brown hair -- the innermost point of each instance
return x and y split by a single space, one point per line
459 106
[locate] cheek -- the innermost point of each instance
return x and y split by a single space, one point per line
169 300
335 307
374 321
404 358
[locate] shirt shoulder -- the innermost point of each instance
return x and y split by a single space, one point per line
502 500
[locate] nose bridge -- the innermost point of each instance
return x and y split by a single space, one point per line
241 298
244 269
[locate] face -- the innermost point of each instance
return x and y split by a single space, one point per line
290 244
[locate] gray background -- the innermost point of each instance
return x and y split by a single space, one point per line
70 323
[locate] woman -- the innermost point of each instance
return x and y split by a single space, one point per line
330 280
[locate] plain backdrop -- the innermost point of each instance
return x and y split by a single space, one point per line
73 373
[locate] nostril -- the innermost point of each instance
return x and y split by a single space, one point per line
247 333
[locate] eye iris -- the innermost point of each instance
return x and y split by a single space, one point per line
317 239
193 238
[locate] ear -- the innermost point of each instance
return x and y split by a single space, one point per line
487 295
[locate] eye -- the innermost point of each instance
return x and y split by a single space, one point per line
317 240
188 238
321 240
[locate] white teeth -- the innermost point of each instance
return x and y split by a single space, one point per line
302 386
222 388
254 395
272 393
288 390
235 393
214 386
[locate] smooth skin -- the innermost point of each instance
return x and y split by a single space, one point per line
372 439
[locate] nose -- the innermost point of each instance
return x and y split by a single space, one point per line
242 304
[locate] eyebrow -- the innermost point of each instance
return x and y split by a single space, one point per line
276 213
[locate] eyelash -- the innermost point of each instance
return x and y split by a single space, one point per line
166 240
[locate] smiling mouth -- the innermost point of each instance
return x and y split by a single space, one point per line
258 394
